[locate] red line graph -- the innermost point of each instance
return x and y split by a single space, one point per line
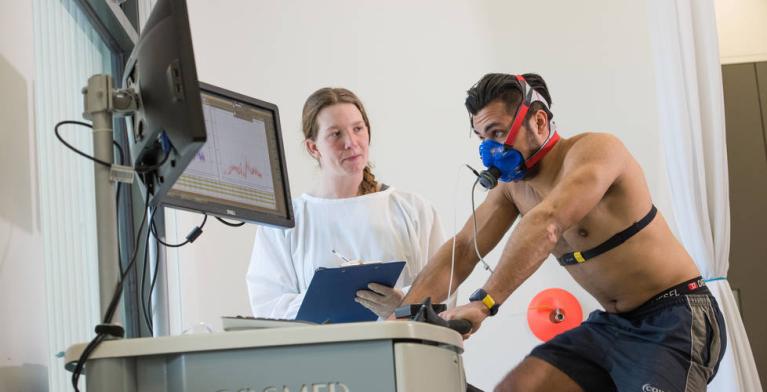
243 170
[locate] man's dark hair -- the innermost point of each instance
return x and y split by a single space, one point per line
507 88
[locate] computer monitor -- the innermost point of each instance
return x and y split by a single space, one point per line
168 128
240 172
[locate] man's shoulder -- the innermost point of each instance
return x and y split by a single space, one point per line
594 145
596 138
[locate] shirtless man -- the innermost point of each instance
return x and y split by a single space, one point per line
583 199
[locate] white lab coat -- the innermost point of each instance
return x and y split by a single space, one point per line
390 225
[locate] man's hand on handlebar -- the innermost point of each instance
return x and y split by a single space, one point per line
425 312
473 312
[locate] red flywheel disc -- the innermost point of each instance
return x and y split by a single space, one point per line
552 312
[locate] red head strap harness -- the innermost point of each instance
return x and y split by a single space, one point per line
529 95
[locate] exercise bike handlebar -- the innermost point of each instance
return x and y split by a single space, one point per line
424 312
459 325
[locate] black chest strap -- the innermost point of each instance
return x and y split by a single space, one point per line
612 242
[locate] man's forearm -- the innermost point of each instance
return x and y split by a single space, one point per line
434 279
529 245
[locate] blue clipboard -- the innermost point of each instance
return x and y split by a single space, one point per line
331 293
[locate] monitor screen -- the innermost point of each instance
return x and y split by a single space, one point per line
240 171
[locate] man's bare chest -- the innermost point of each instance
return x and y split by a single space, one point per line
594 227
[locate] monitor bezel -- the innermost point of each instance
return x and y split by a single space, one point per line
168 128
242 214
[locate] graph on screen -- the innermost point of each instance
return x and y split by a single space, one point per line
234 164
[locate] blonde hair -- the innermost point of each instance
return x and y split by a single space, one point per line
329 96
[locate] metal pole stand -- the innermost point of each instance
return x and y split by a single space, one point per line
101 102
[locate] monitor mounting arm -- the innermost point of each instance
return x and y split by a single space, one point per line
102 102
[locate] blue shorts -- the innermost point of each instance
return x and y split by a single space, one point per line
673 342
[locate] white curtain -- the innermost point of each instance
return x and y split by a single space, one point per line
691 116
67 50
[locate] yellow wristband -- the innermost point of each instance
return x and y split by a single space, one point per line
482 296
488 301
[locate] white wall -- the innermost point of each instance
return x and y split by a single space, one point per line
742 26
411 63
23 334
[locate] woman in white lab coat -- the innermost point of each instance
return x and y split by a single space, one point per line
348 211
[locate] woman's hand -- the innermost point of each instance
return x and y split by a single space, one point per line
380 299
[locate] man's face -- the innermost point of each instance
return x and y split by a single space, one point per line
494 122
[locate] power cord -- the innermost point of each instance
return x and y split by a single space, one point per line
64 142
189 237
230 224
140 169
146 304
120 152
151 287
106 329
117 202
147 315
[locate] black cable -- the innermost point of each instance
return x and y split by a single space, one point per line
61 139
83 357
147 316
146 304
189 237
154 233
476 173
139 169
116 298
117 203
99 161
230 224
104 329
120 151
154 280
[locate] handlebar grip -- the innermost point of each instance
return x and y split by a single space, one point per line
461 326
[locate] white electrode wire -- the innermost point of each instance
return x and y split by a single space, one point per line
474 217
